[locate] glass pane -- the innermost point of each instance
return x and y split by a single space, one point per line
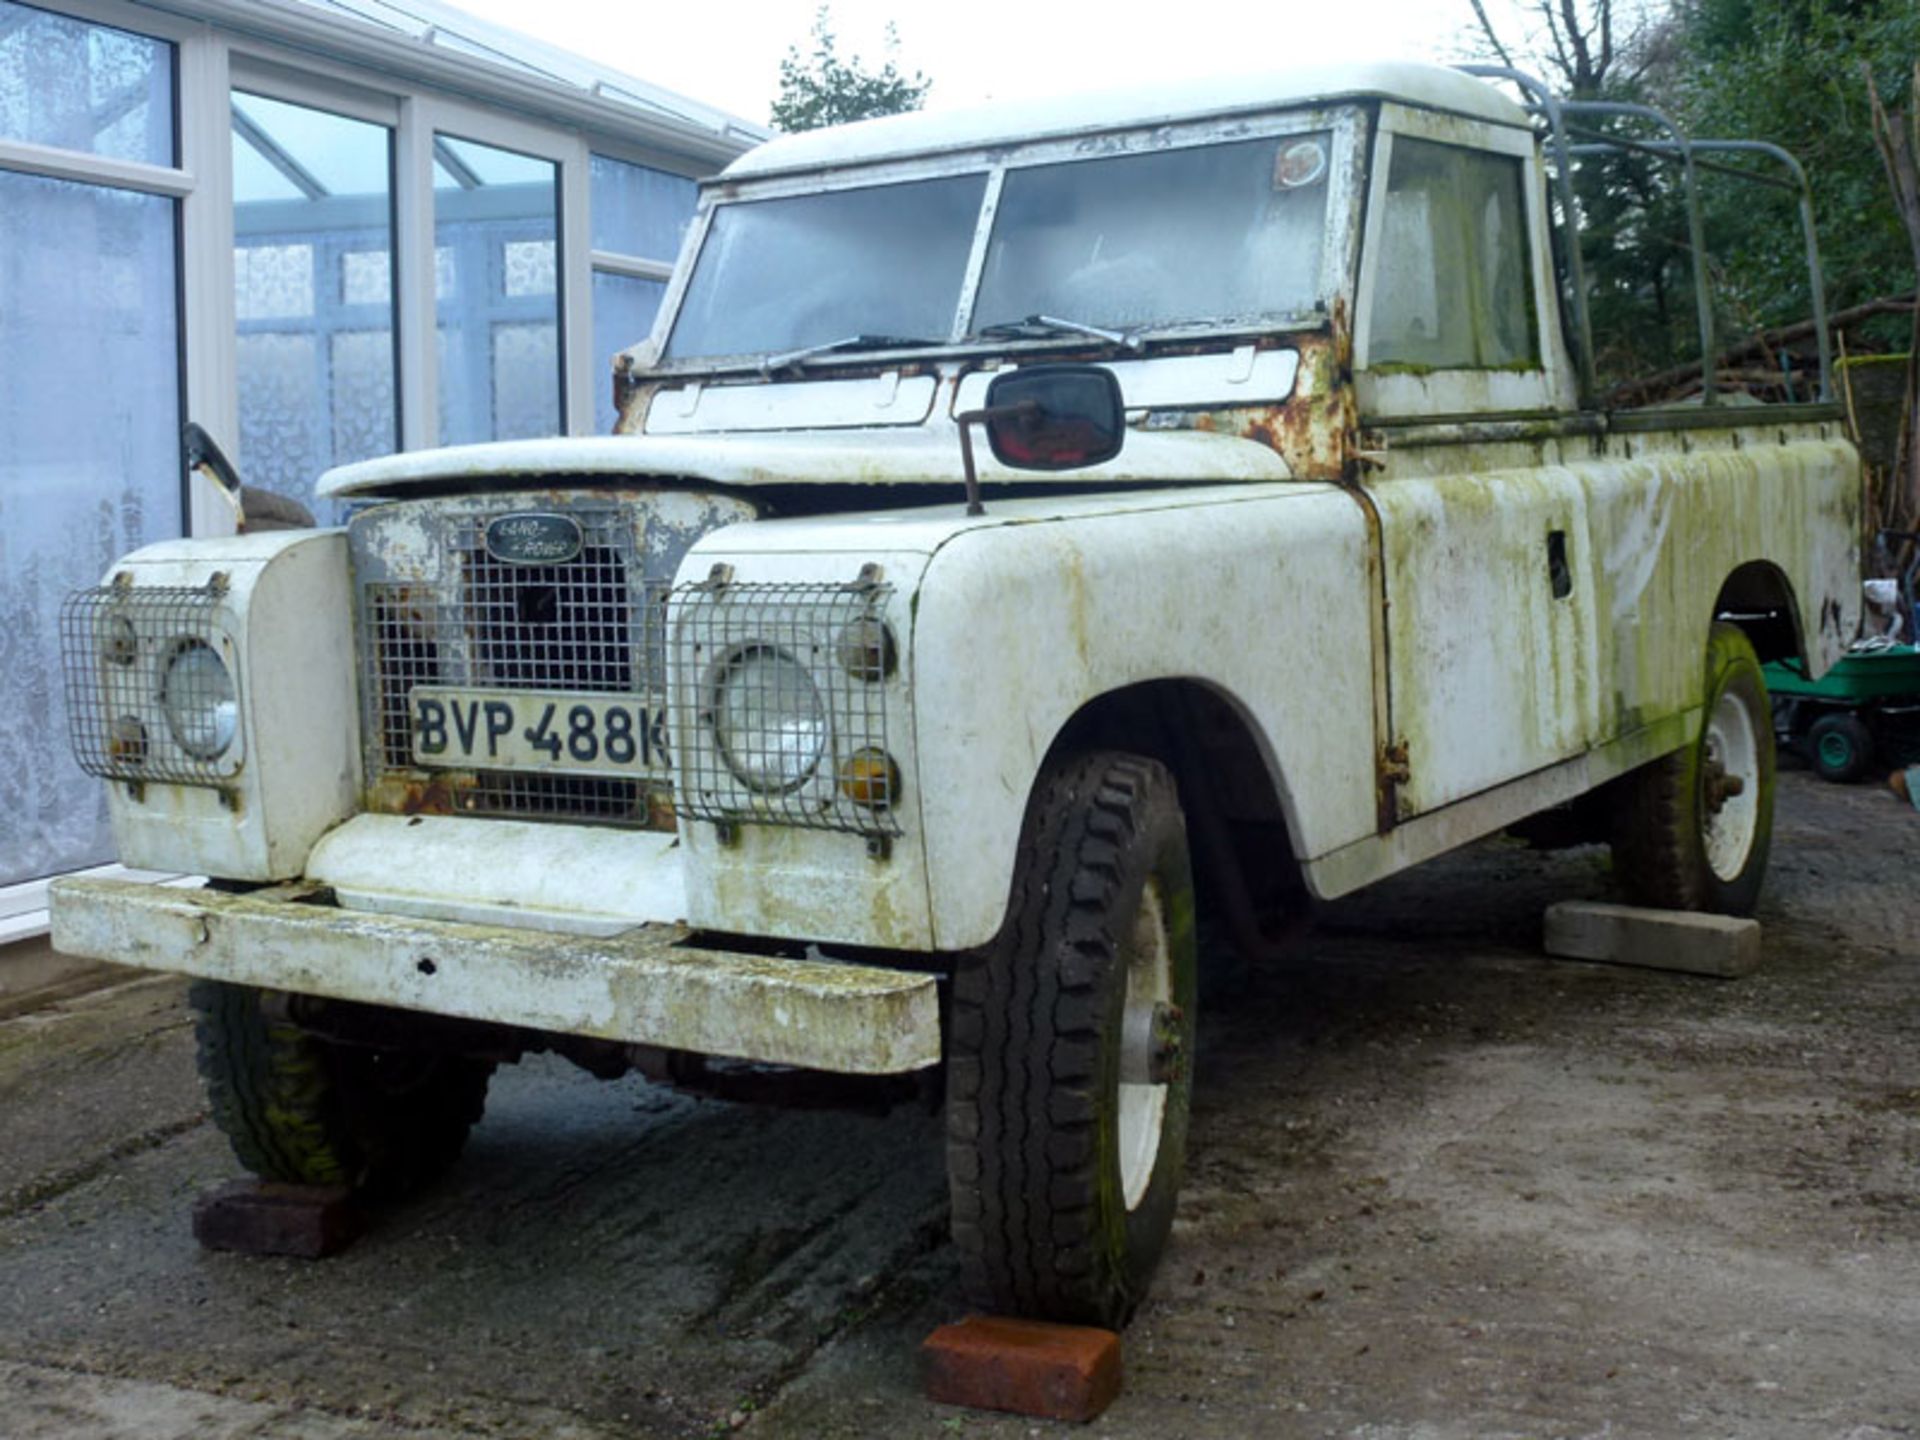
1214 232
272 281
782 274
84 87
495 232
1451 283
529 267
362 374
89 469
524 364
623 311
313 293
637 211
280 420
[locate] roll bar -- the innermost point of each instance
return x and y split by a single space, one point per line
1678 146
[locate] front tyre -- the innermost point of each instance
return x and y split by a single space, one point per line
1692 830
1069 1060
308 1111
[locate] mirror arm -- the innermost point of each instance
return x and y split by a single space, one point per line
203 453
966 420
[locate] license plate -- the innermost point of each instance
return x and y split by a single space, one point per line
584 734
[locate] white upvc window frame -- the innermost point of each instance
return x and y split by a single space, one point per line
23 906
421 118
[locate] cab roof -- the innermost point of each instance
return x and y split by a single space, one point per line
1433 87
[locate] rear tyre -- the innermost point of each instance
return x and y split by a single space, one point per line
305 1110
1692 830
1070 1052
1841 747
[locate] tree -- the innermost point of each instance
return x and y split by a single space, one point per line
824 89
1587 48
1791 71
1633 230
1788 71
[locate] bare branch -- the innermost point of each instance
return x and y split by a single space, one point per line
1584 80
1486 28
1561 58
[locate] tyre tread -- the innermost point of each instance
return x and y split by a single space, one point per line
1024 1078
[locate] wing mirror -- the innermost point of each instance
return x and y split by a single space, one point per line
1046 417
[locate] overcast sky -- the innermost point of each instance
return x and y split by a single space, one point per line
727 52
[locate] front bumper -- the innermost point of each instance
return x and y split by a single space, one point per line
642 986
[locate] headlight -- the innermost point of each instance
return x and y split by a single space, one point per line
768 719
196 691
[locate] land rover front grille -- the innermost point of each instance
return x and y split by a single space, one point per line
438 607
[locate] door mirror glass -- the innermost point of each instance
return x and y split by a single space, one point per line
1055 417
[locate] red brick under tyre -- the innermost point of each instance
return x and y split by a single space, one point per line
302 1109
1070 1052
1692 830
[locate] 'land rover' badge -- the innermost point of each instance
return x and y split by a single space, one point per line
533 539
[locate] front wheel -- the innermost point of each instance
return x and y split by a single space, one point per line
1070 1054
1692 830
302 1109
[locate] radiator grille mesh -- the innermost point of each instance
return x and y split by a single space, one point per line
466 618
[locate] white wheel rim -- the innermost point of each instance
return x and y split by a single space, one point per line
1731 752
1143 1107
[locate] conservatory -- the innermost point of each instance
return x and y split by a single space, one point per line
324 231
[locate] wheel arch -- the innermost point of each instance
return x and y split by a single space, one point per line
1759 598
1242 829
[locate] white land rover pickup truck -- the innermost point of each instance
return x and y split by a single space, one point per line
772 741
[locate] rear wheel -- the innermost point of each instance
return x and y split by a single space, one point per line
1692 830
306 1110
1840 746
1070 1049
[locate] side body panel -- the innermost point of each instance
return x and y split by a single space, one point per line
1533 612
1264 594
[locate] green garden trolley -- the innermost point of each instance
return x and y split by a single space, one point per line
1864 713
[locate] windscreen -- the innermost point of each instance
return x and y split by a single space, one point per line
1209 232
1183 236
778 275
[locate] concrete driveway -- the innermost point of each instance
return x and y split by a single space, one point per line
1440 1186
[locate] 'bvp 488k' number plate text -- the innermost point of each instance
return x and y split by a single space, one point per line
594 734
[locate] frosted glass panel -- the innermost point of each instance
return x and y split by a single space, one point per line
362 373
495 229
272 281
529 267
637 211
623 311
313 294
279 414
84 87
89 469
524 364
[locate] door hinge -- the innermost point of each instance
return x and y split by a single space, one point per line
1394 769
1390 772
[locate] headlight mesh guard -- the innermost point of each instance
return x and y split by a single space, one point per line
710 626
115 645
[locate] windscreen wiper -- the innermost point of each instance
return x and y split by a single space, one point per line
1039 327
846 342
